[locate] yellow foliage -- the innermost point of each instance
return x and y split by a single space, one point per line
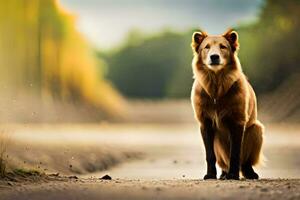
42 52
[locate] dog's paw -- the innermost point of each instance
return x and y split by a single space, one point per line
251 175
223 175
210 176
231 176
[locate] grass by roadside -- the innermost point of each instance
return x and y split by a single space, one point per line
4 143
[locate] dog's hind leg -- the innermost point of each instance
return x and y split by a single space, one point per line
251 151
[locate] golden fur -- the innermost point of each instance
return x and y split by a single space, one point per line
222 91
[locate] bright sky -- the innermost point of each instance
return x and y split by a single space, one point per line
106 22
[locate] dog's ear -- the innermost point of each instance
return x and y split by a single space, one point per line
233 39
197 39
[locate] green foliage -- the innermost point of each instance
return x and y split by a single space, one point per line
160 66
152 67
270 48
26 172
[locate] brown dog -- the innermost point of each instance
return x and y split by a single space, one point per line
225 105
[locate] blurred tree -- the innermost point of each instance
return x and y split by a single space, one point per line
42 53
152 67
270 47
160 66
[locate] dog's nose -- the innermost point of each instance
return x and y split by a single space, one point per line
215 59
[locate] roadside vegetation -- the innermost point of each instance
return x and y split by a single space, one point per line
3 153
159 66
46 64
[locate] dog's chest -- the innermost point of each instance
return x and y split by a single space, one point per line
215 109
221 106
215 112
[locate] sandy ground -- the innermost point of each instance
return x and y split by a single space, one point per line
156 189
171 166
67 149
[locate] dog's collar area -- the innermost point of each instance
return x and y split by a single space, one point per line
215 101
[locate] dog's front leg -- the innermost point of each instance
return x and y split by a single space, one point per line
236 136
208 135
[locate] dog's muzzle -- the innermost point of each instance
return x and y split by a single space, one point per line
214 59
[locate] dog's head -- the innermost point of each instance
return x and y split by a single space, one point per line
215 52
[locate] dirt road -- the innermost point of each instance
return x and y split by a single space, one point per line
172 166
157 189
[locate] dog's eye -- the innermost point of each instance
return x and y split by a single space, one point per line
207 46
222 46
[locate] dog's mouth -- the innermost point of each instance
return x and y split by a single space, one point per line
215 66
215 63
